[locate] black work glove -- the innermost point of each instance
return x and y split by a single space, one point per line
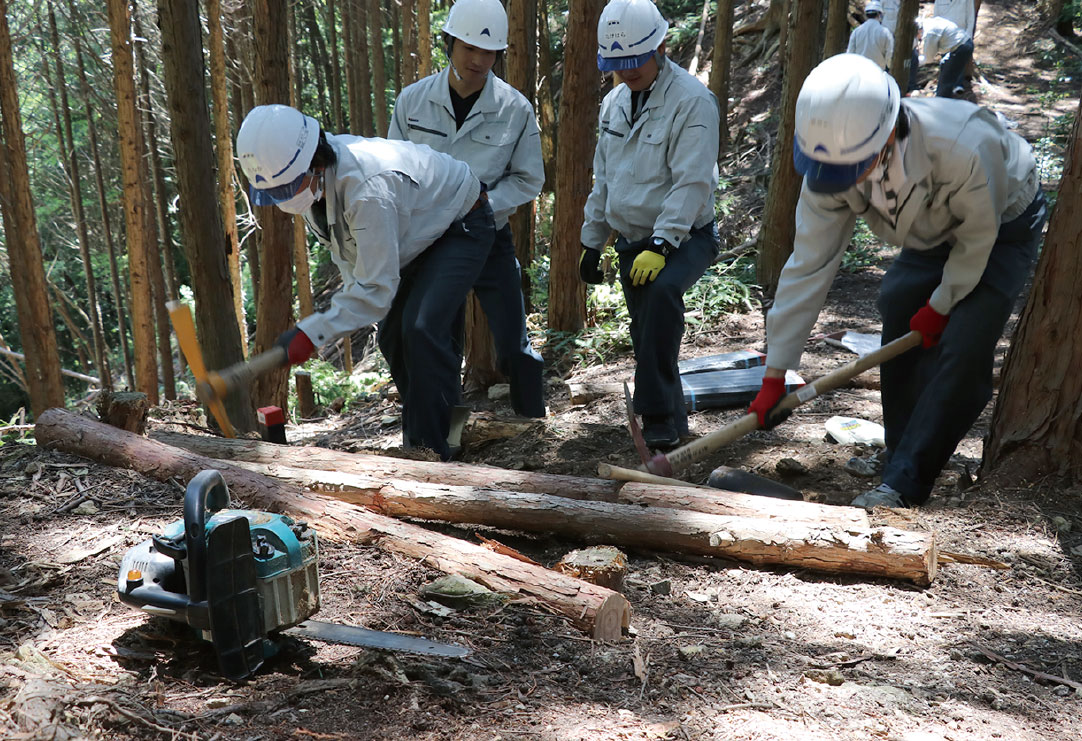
590 266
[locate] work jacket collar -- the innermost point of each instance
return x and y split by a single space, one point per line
658 89
440 95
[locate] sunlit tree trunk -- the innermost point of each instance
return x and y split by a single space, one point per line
903 43
424 38
369 99
579 105
379 64
336 67
721 65
70 157
36 330
779 211
1037 421
546 106
522 75
227 176
407 56
274 312
238 46
200 219
131 150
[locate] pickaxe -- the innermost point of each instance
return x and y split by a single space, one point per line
680 458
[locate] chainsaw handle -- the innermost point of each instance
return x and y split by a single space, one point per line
206 490
697 449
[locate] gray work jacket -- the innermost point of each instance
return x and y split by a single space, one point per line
965 175
960 12
654 176
872 40
499 139
387 202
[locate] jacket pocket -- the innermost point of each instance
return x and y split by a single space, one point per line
651 153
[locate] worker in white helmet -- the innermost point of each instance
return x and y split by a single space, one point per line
940 37
946 182
871 38
474 116
409 230
655 172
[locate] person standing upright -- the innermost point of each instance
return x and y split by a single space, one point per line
871 38
655 172
468 112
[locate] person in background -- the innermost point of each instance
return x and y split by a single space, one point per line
939 36
871 39
655 172
409 229
469 113
946 182
961 13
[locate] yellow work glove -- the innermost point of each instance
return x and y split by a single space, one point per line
646 267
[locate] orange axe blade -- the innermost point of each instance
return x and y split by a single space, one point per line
183 324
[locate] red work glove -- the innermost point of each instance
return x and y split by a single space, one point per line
930 323
296 344
772 391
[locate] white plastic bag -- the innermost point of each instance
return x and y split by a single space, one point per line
851 431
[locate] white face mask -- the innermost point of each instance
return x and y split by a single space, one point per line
303 200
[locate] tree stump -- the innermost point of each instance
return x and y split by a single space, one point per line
602 565
306 398
124 409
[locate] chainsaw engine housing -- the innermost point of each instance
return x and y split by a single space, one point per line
236 576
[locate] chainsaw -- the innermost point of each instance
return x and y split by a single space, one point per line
242 579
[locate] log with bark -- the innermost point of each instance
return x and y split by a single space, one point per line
360 471
885 552
601 613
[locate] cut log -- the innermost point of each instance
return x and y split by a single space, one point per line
603 565
301 465
601 613
306 398
776 540
124 409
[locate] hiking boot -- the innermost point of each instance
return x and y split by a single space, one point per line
865 468
883 495
659 431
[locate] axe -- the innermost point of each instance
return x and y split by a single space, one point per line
680 458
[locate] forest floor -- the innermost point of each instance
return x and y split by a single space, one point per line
731 651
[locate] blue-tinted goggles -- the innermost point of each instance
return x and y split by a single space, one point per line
615 64
823 177
277 194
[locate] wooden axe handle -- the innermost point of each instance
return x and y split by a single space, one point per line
183 324
697 449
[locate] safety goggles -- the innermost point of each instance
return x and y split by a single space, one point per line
826 177
278 193
616 64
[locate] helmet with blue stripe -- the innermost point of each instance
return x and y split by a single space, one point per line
628 34
480 23
275 145
845 113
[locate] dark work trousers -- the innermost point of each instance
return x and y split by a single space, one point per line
499 290
952 70
931 397
415 336
657 320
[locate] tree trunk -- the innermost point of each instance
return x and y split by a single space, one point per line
227 175
546 107
1037 421
131 152
903 43
721 66
367 102
157 223
274 312
837 35
336 67
779 222
879 552
103 206
579 107
424 38
522 75
480 372
407 52
693 66
601 613
203 236
275 459
379 64
70 157
36 330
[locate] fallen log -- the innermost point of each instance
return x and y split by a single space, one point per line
362 473
601 613
886 552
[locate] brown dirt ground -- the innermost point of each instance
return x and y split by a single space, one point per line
732 652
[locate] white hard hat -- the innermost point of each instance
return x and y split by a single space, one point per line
845 112
480 23
275 145
873 6
628 34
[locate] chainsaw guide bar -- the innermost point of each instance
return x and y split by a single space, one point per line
352 635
